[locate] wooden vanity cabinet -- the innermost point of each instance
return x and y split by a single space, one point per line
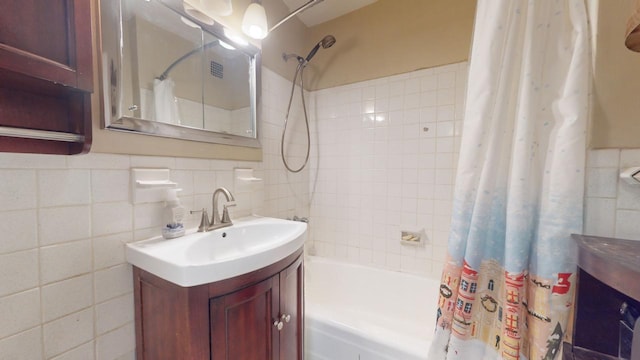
237 318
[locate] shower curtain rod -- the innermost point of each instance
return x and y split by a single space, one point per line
164 75
302 8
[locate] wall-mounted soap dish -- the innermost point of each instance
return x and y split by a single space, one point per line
149 185
245 180
631 176
412 238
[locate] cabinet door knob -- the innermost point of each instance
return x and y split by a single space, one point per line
286 318
278 325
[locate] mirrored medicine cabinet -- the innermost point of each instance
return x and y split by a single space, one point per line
167 74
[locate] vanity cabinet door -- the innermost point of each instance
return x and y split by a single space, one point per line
291 307
172 322
242 323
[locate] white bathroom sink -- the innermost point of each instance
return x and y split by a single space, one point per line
200 258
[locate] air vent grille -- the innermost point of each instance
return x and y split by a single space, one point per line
216 69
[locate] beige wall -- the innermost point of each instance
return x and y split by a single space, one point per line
391 37
616 97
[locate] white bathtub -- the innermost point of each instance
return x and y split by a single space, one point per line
356 312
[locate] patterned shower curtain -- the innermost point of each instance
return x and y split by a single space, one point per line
508 282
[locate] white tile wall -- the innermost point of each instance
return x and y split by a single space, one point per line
612 207
64 187
110 314
67 332
18 271
285 194
385 160
63 261
66 291
54 225
67 296
19 312
82 352
18 190
24 345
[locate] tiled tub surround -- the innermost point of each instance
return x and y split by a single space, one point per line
612 207
286 194
386 158
65 287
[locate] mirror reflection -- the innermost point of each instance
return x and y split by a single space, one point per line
172 71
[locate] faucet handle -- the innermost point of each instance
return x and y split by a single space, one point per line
301 219
204 221
225 213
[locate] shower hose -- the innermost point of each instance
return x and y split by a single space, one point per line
302 63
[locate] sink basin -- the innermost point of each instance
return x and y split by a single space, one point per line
200 258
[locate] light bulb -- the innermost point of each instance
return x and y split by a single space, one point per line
254 23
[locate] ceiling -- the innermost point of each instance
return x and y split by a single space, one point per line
325 10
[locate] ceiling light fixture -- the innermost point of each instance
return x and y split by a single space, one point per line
254 22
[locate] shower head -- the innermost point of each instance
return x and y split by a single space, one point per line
326 43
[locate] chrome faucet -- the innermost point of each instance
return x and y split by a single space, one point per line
217 222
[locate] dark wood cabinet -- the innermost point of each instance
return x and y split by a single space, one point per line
291 306
267 315
255 316
46 76
607 279
241 322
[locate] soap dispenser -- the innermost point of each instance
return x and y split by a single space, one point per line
172 216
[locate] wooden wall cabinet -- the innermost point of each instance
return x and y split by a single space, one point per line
46 76
256 316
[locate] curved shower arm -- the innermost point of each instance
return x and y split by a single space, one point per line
164 74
